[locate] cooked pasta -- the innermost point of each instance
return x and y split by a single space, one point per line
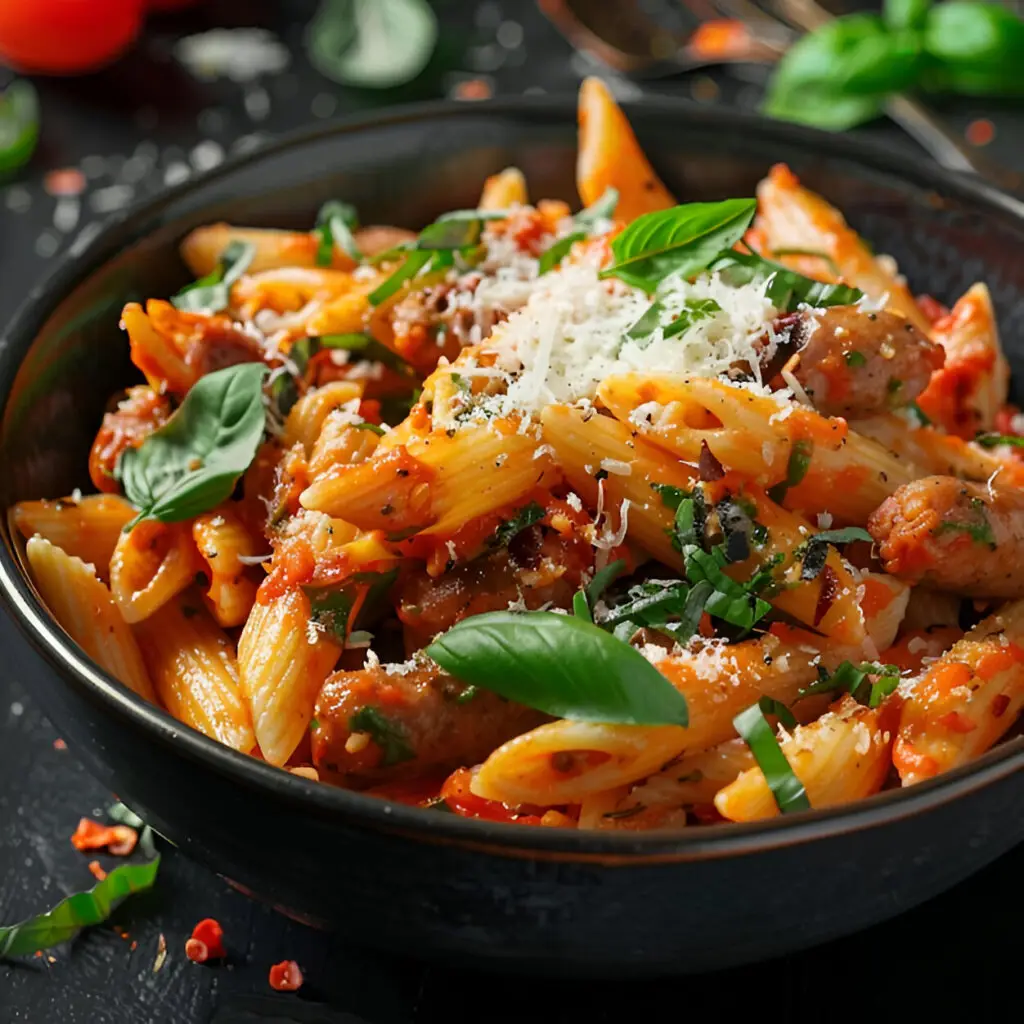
646 516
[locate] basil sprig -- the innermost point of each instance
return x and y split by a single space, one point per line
561 665
19 124
786 289
334 226
683 240
843 73
194 460
82 909
787 789
212 293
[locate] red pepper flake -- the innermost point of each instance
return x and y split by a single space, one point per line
208 934
59 745
827 595
120 840
286 976
980 132
97 870
66 181
955 721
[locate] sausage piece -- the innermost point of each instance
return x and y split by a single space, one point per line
373 726
953 535
855 364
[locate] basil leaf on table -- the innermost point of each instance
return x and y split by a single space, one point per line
979 48
212 293
683 240
82 909
334 225
19 124
905 14
786 289
560 665
194 460
787 789
372 44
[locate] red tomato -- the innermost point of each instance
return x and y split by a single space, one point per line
66 36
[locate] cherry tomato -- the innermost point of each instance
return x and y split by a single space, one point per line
66 36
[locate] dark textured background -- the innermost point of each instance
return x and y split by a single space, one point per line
130 127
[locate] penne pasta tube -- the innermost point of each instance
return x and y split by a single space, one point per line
508 188
86 528
565 762
193 666
340 443
841 757
966 700
150 565
610 157
223 541
792 219
201 250
844 474
307 416
883 603
82 605
283 661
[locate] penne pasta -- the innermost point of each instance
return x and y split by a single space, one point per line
308 415
964 701
503 190
84 608
224 543
87 528
841 757
150 565
283 660
193 666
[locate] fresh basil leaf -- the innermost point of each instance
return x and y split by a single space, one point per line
813 253
785 289
212 293
905 14
603 209
787 789
560 665
800 454
19 124
729 601
194 460
671 497
997 440
372 44
555 253
450 233
581 606
82 909
820 108
979 48
414 263
857 681
334 225
683 240
391 736
524 517
846 535
603 579
771 706
693 311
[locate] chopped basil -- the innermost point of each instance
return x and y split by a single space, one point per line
331 607
771 706
787 789
334 226
815 253
212 293
784 288
868 683
996 440
693 311
555 253
796 469
524 518
815 550
392 737
671 497
561 665
603 579
602 209
980 532
581 607
193 461
413 264
373 428
670 607
856 359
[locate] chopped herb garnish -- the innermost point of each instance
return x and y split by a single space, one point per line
981 532
784 288
997 440
331 607
212 293
670 496
919 418
796 469
787 789
555 253
856 359
771 706
373 428
581 607
815 550
868 683
390 736
815 253
334 226
414 263
524 517
693 311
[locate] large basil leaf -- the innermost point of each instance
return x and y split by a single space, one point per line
212 293
683 240
19 124
193 461
979 47
561 665
905 14
787 290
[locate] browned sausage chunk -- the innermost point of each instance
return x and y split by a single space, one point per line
854 363
953 535
372 726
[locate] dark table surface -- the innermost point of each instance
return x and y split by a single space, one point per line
129 129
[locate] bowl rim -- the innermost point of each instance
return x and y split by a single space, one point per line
83 257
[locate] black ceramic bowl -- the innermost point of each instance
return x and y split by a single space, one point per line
439 885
